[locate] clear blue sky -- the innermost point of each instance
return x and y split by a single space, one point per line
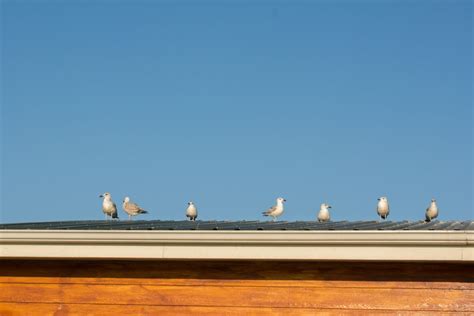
232 105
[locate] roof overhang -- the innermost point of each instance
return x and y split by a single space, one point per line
456 246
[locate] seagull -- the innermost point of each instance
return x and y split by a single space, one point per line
108 206
382 207
276 210
431 211
132 209
191 211
323 215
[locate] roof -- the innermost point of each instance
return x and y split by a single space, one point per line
158 225
240 240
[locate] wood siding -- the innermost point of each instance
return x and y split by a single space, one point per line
233 288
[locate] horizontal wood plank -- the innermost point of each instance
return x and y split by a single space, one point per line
342 298
239 283
16 309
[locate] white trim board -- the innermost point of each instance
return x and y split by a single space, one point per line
456 246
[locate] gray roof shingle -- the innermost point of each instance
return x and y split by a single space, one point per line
244 225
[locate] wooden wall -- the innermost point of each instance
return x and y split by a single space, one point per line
234 288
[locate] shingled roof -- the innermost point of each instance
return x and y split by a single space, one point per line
245 225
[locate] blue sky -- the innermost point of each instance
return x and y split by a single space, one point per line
234 104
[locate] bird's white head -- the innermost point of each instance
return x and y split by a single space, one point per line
106 195
190 203
382 198
325 206
433 200
281 200
126 199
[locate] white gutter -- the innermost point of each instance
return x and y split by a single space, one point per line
224 245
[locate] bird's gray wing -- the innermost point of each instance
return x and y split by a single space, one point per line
427 216
134 207
270 210
115 213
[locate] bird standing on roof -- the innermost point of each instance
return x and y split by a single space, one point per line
191 211
276 210
431 211
382 207
132 209
323 215
108 206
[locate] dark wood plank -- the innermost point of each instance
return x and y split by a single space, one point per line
243 270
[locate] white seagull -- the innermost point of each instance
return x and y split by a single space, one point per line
382 207
276 210
323 215
431 211
108 206
132 209
191 211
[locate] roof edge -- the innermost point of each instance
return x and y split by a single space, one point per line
229 245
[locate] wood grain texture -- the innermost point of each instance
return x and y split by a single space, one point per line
16 309
299 297
240 283
228 288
